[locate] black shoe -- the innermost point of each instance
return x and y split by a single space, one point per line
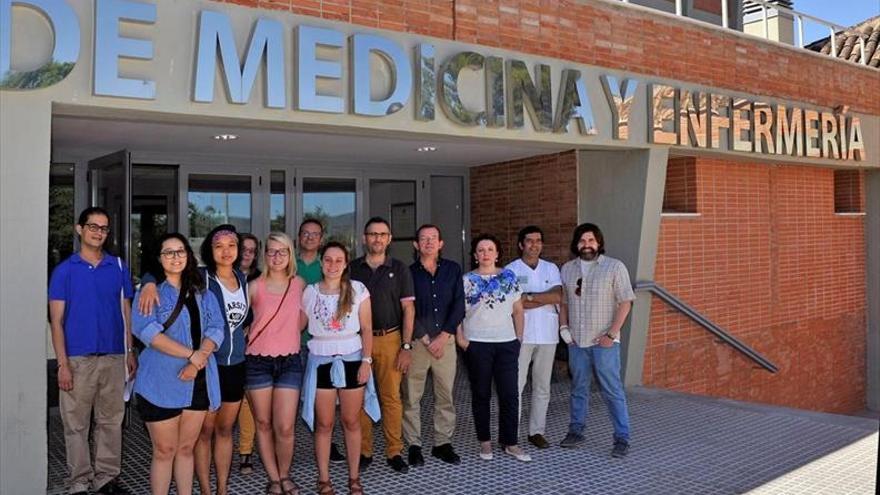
113 488
398 464
335 454
415 457
539 441
365 462
446 454
620 449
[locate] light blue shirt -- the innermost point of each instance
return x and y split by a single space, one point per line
156 378
337 375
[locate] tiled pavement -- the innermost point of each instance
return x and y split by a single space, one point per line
681 445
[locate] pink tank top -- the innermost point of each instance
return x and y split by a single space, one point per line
281 336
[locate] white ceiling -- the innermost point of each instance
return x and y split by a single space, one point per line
100 135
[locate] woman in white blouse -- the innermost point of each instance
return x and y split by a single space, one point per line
490 336
339 365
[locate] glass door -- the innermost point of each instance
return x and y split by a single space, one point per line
109 180
395 201
217 199
334 202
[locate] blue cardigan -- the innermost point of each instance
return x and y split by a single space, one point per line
232 350
156 378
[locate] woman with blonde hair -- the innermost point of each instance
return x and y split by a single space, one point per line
274 367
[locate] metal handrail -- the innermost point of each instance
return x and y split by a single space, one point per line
724 335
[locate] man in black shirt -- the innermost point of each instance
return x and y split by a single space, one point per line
391 299
439 310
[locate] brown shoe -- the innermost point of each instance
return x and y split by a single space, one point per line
355 487
326 488
539 441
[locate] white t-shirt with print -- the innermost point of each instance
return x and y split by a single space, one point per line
329 335
236 306
541 323
489 303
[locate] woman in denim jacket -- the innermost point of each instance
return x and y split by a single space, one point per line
177 381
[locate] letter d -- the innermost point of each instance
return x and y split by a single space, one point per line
65 52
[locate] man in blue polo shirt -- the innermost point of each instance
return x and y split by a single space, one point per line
89 306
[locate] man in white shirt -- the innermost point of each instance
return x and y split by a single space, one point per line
542 286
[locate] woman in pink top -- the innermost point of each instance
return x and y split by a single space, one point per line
274 367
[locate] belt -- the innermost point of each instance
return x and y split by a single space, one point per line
380 333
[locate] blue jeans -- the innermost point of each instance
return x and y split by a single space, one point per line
606 362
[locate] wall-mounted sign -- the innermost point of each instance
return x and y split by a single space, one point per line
418 81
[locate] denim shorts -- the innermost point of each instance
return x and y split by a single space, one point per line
274 371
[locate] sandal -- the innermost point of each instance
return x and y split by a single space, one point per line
244 464
355 487
326 488
272 485
293 488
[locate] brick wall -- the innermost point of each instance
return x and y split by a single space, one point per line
540 190
680 194
768 260
613 35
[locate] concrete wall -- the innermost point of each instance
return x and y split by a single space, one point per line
622 193
872 243
24 168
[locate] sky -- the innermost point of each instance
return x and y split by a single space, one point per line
843 12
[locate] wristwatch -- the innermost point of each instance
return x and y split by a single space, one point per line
367 360
406 346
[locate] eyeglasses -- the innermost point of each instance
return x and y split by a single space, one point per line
577 290
249 251
378 235
281 253
311 235
93 227
169 254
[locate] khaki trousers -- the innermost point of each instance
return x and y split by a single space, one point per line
98 383
443 371
541 357
387 379
246 428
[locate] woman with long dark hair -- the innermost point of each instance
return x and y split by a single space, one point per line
340 322
221 255
177 380
491 333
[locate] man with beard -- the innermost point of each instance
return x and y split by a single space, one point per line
390 284
597 297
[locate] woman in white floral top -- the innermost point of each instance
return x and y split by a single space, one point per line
490 336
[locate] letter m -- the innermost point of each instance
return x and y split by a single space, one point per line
215 33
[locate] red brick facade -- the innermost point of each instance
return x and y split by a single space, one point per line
770 261
540 190
616 36
767 258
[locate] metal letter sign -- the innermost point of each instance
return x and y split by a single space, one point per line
65 50
573 103
109 46
310 67
215 30
620 95
362 45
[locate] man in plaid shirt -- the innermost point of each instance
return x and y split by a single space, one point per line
597 298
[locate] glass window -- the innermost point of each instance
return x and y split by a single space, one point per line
332 202
61 214
217 199
277 216
153 213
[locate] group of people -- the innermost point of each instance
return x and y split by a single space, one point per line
313 331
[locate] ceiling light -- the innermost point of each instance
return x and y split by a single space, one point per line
426 149
226 137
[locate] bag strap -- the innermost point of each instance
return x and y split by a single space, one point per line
253 339
178 307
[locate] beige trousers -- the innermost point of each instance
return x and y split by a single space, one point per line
443 371
98 383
